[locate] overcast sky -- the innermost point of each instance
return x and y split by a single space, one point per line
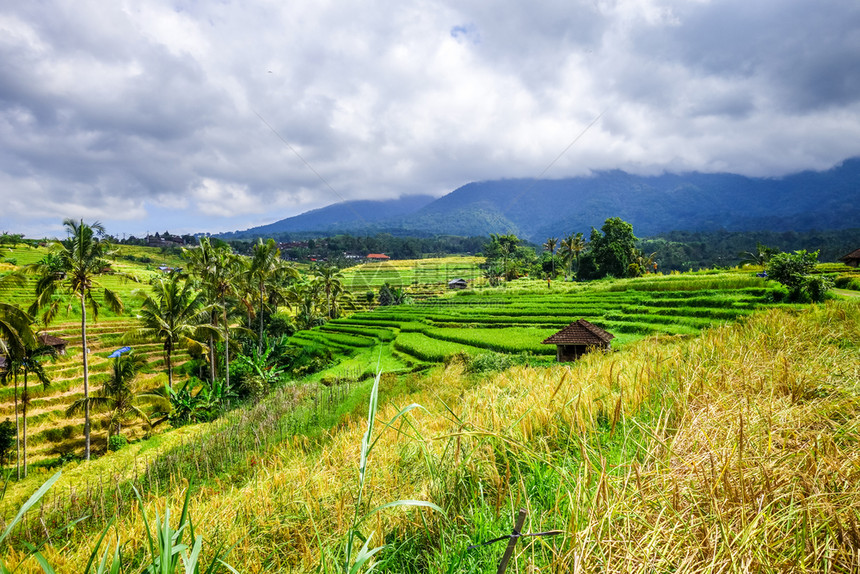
194 116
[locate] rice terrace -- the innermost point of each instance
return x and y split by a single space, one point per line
382 416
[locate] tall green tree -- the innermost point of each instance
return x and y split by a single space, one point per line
571 248
264 271
330 279
501 247
73 268
550 245
29 364
15 336
173 314
119 397
615 248
217 272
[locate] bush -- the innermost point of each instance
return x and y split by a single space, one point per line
818 287
116 442
847 282
793 270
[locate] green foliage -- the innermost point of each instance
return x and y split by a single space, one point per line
188 407
167 549
507 257
614 249
259 373
847 282
116 442
389 295
7 440
793 271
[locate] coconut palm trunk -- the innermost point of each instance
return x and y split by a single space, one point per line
260 340
84 351
17 432
24 400
168 356
226 348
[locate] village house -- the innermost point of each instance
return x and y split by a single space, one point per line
577 339
59 345
852 259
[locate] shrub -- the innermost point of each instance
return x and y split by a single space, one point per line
793 270
116 442
847 282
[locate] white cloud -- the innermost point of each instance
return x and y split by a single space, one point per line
125 110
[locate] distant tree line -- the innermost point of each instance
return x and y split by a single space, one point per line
683 250
334 249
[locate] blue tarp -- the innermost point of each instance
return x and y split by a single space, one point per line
119 352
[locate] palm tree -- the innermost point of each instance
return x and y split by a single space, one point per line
305 297
550 246
118 395
330 279
28 363
760 256
173 313
15 336
571 247
73 268
578 247
217 272
265 267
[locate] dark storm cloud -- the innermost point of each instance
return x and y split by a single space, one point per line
148 114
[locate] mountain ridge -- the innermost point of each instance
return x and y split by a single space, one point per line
536 209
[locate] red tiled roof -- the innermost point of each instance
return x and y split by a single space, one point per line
580 332
377 256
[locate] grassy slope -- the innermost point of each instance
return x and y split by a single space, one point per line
734 450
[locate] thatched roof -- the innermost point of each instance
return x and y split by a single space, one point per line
580 332
853 256
51 341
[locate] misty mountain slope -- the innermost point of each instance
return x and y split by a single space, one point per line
537 209
344 215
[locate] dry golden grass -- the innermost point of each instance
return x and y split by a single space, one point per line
736 451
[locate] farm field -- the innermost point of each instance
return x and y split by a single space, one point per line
516 319
699 448
667 330
409 272
51 434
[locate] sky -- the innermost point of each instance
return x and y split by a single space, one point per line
207 116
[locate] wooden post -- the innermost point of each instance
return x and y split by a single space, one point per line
521 519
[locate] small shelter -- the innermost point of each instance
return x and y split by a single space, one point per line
378 257
458 283
58 344
852 259
577 339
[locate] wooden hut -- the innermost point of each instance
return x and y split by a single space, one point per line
458 283
577 339
58 344
852 259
